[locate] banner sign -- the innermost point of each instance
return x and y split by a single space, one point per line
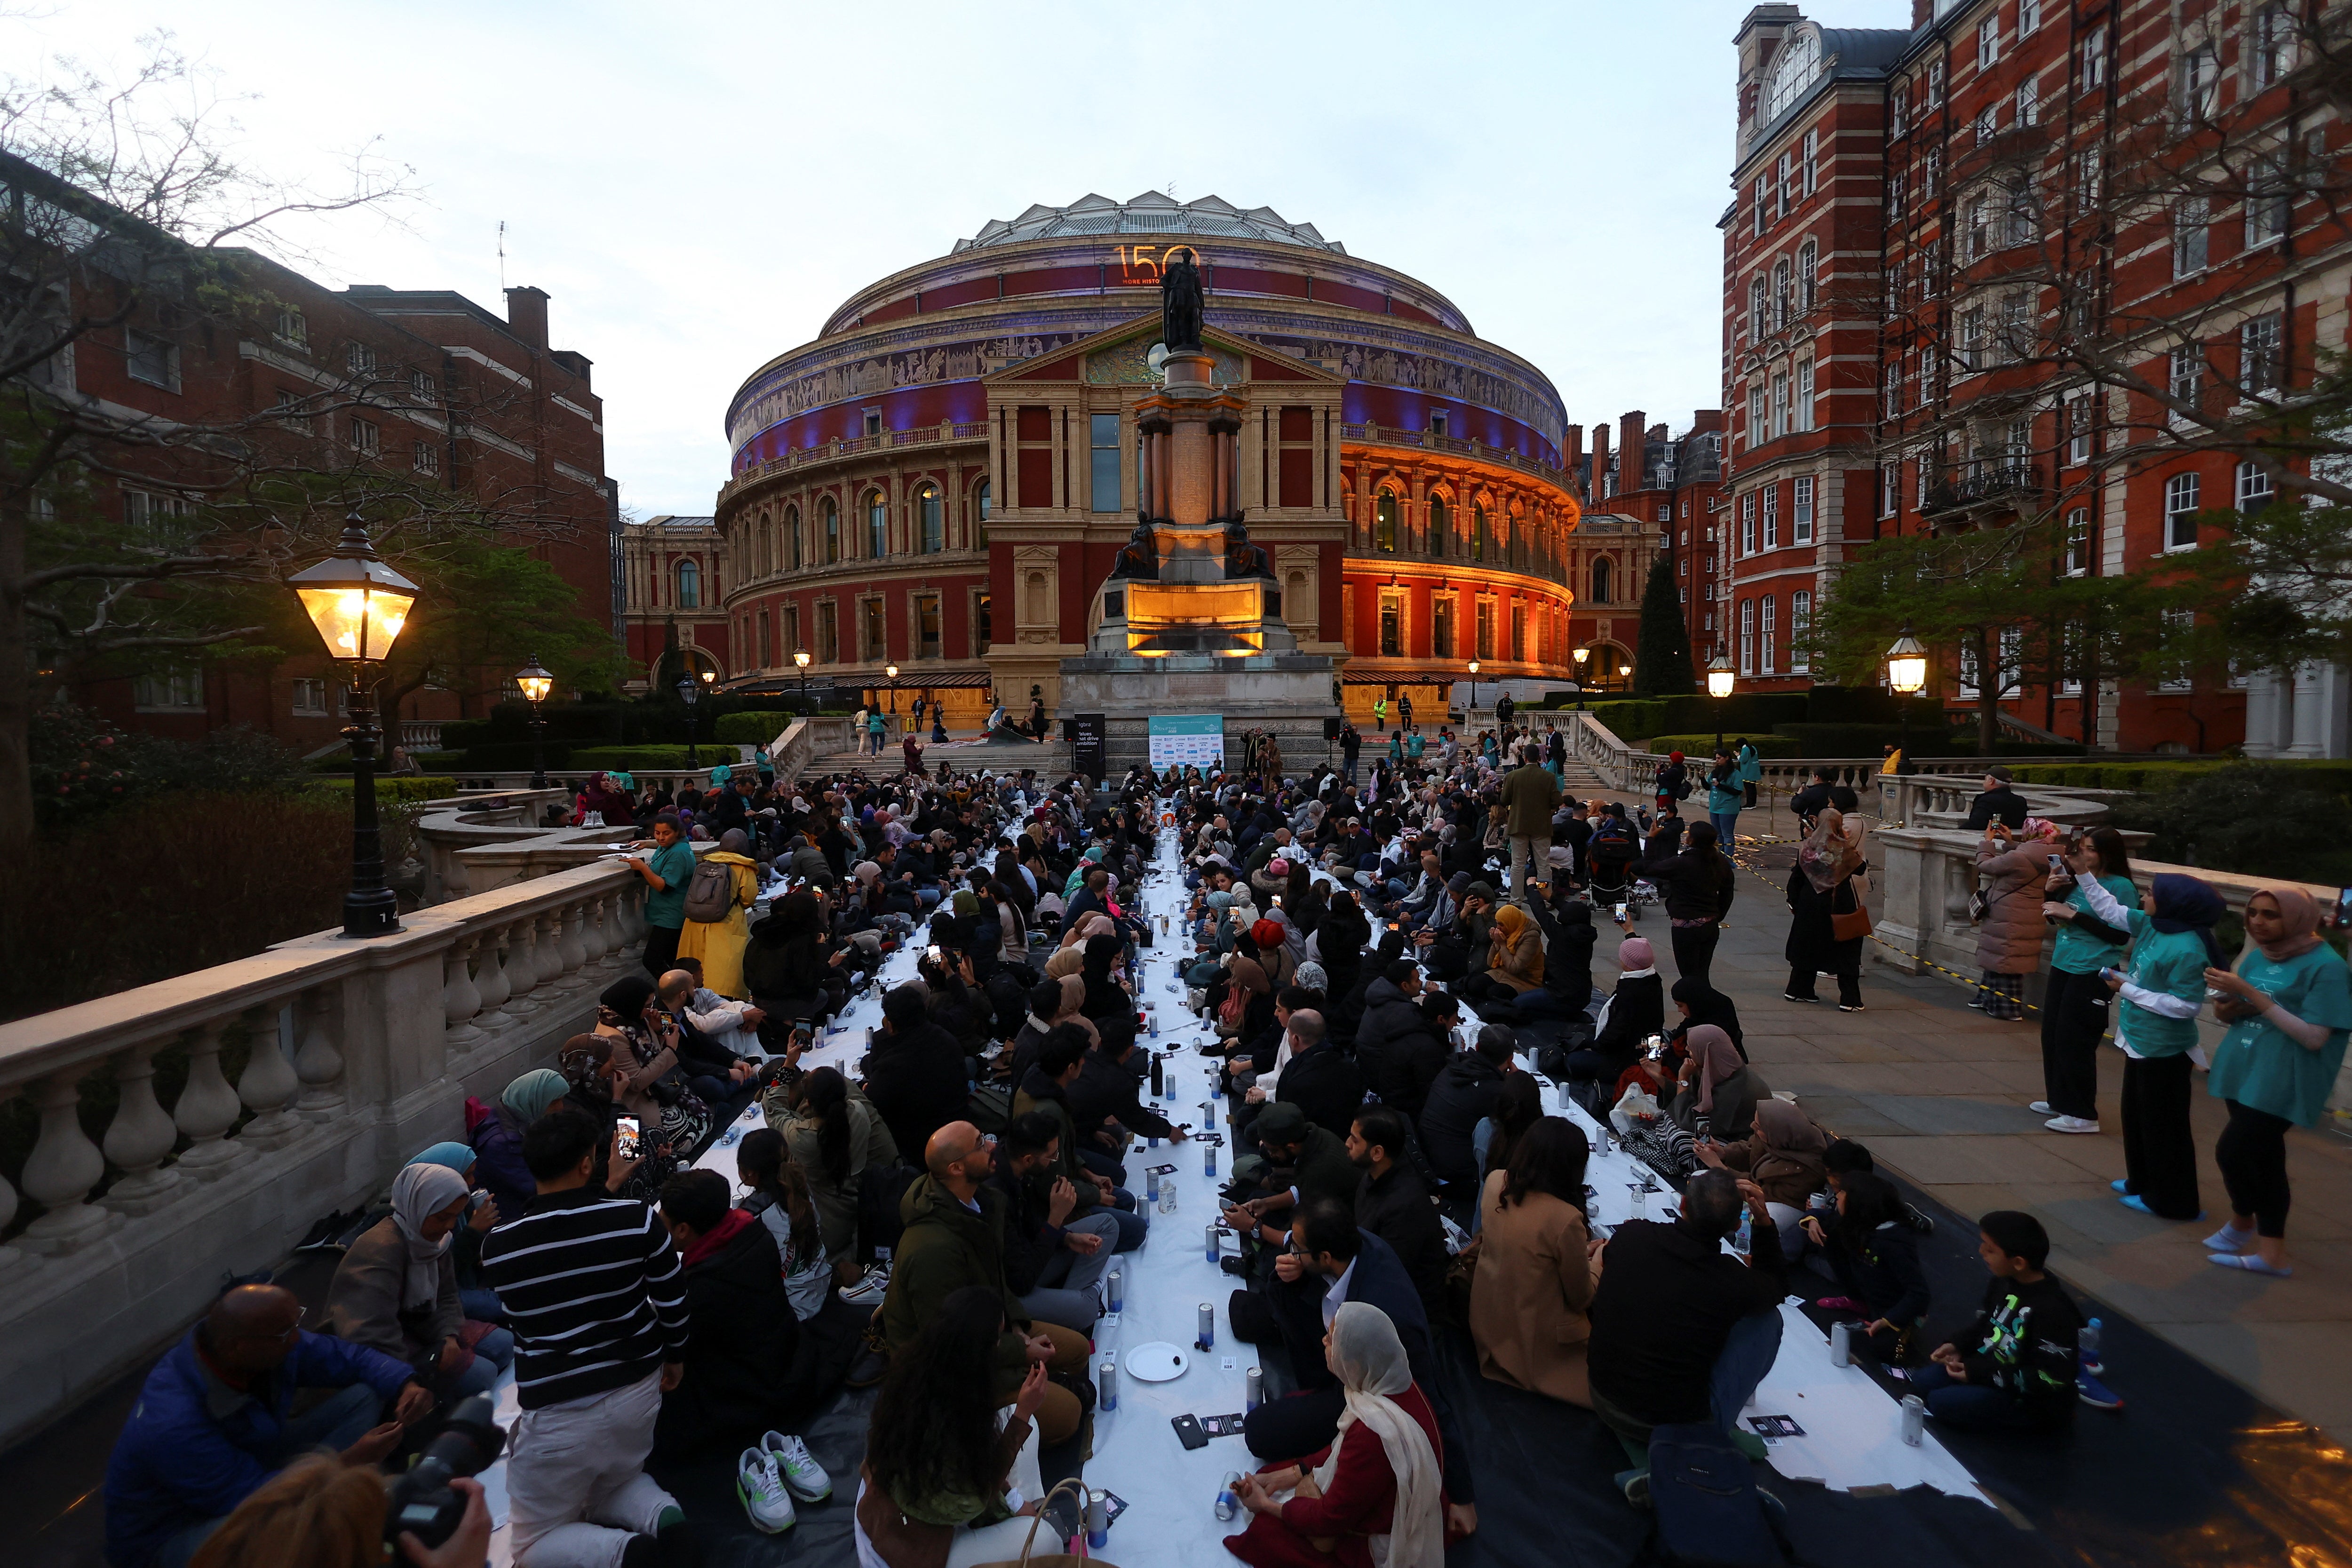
1187 739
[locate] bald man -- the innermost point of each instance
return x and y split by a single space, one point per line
214 1422
955 1237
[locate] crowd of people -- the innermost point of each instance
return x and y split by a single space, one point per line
1378 963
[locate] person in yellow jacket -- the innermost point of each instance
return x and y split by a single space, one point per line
720 943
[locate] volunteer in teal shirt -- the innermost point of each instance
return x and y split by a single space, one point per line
2289 1008
2172 947
2074 1001
666 871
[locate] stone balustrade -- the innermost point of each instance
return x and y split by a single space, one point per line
312 1071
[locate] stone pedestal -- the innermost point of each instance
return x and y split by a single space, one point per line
1287 694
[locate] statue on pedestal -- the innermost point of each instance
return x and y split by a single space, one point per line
1139 558
1180 304
1242 559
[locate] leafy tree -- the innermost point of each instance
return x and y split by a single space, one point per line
1661 656
485 608
2254 820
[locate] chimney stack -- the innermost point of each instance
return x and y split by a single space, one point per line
527 314
1602 489
1629 451
1575 451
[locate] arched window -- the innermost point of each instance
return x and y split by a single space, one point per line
832 531
1756 323
792 538
1384 521
1781 301
980 516
1440 525
878 526
1601 581
934 529
689 585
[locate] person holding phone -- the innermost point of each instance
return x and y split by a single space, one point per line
666 871
2074 1001
2015 868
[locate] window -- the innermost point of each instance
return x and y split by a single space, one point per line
1896 186
359 358
788 633
2255 489
1519 631
1391 627
1793 71
309 698
1782 302
290 415
983 625
2177 625
1756 413
878 526
1441 626
1763 183
2088 172
1930 173
2092 70
1801 511
933 525
1766 613
293 330
1440 525
1773 517
1757 324
423 386
828 633
1481 536
1747 636
1800 620
982 504
2269 201
2078 542
1485 629
1812 164
873 422
2199 80
2270 47
1988 121
151 358
2078 429
1932 97
927 625
1103 438
792 544
1779 406
178 689
2258 354
1902 109
1800 413
1784 187
1600 585
1989 41
154 517
1807 265
1890 488
367 437
875 646
425 457
1970 352
2029 102
689 585
2181 513
1975 227
1747 524
2185 380
832 531
2189 236
2016 327
1384 521
2028 16
1437 421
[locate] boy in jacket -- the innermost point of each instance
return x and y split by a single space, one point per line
2014 1369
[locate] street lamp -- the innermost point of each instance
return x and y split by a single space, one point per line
688 690
1720 682
801 660
1907 674
892 671
536 683
360 606
1474 692
1582 655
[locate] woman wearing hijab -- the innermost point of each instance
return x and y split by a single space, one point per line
2156 1026
1376 1497
497 1139
1273 952
1106 999
2009 939
2289 1008
1339 943
1514 960
1822 886
1700 1002
1783 1157
1716 1086
396 1290
1533 1286
474 1293
720 943
1248 1003
1634 1011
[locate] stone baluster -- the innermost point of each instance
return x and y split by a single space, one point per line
548 924
460 997
139 1138
62 1168
522 969
13 1259
633 913
267 1086
593 941
317 1061
207 1108
492 983
571 944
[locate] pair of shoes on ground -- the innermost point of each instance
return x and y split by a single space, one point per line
2065 1123
767 1477
2233 1248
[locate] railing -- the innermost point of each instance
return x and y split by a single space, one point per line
421 735
310 1073
671 779
851 445
804 741
2004 483
1387 435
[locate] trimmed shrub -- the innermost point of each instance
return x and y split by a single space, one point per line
1741 713
1628 719
1702 745
389 790
588 758
508 757
752 727
2333 776
2252 818
1871 705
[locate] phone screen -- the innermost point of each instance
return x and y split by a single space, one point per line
2344 907
632 1142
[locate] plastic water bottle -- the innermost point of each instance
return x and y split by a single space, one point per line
1741 1241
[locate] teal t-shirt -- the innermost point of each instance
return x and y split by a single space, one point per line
2171 963
2257 1066
2078 951
675 867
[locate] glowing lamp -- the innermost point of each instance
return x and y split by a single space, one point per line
534 683
1907 665
357 603
1719 677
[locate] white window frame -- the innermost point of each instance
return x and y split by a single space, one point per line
2269 202
2078 542
2192 237
359 358
2078 428
367 437
2270 48
293 329
1757 413
1780 415
2259 344
1771 511
1800 413
2091 67
1890 488
1809 265
1747 636
1800 620
2028 16
177 689
2181 506
1811 168
2197 84
151 358
1801 509
1767 650
2029 102
1989 41
2185 379
2178 620
1747 522
426 458
2255 489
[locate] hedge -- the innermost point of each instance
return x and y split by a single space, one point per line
2151 776
1702 745
402 788
754 727
1870 705
588 758
1628 718
509 756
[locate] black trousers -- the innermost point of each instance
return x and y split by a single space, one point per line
661 949
2251 1153
2073 1018
1802 981
2160 1150
1695 950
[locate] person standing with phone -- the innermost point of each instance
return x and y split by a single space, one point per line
666 871
2074 999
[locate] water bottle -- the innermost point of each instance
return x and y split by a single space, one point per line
1741 1241
1167 1197
1155 1077
2086 1347
1208 1339
1256 1386
1213 1239
1915 1419
1151 1184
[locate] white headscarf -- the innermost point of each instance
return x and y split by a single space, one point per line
1370 1362
418 1192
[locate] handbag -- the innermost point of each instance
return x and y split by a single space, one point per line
1852 925
1031 1558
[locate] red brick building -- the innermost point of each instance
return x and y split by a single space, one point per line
674 577
1937 231
1673 487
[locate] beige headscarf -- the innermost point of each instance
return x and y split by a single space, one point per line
2299 911
1830 854
1370 1362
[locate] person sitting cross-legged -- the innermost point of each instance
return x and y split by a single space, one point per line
2014 1369
396 1287
1053 1257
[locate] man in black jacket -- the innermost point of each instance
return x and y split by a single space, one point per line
1320 1079
740 1332
1108 1089
1698 884
915 1075
1999 803
1824 791
1054 1256
1462 1096
1392 1204
1682 1331
1412 1046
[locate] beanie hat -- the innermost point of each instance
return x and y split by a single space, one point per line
1635 952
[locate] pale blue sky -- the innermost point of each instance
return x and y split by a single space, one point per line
698 185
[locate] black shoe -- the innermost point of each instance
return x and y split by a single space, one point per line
867 1368
1792 997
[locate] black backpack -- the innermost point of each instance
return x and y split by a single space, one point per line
710 893
1709 1512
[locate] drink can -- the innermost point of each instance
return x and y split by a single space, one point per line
1098 1518
1117 1288
1915 1419
1152 1184
1229 1505
1208 1325
1208 1159
1256 1386
1213 1243
1155 1026
1841 1344
1107 1384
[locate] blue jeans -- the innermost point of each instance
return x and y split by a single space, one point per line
492 1354
1068 1289
1726 823
1748 1354
335 1425
482 1304
1971 1408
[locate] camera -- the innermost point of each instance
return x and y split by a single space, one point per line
422 1502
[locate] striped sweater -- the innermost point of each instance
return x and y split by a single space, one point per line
594 1291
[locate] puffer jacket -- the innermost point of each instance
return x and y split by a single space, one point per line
2009 942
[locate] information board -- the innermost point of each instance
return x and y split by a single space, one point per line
1187 739
1088 733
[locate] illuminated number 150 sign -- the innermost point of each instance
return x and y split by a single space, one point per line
1141 265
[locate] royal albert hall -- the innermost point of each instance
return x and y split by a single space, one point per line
944 476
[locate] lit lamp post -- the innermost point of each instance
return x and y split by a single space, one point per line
892 671
359 606
801 660
1472 715
1582 655
1907 674
1720 682
535 684
689 691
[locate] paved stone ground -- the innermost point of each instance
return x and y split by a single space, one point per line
1938 1092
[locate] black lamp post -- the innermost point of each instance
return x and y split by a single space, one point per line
1471 717
689 691
359 606
801 660
1582 655
1720 680
535 684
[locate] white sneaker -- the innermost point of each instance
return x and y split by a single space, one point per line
2039 1107
2071 1124
761 1492
870 1286
802 1475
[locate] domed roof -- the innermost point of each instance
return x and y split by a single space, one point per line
1153 212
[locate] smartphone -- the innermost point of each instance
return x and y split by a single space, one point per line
2057 865
632 1142
1620 911
2344 907
934 951
1189 1433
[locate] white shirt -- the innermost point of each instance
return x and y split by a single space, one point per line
1337 1296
